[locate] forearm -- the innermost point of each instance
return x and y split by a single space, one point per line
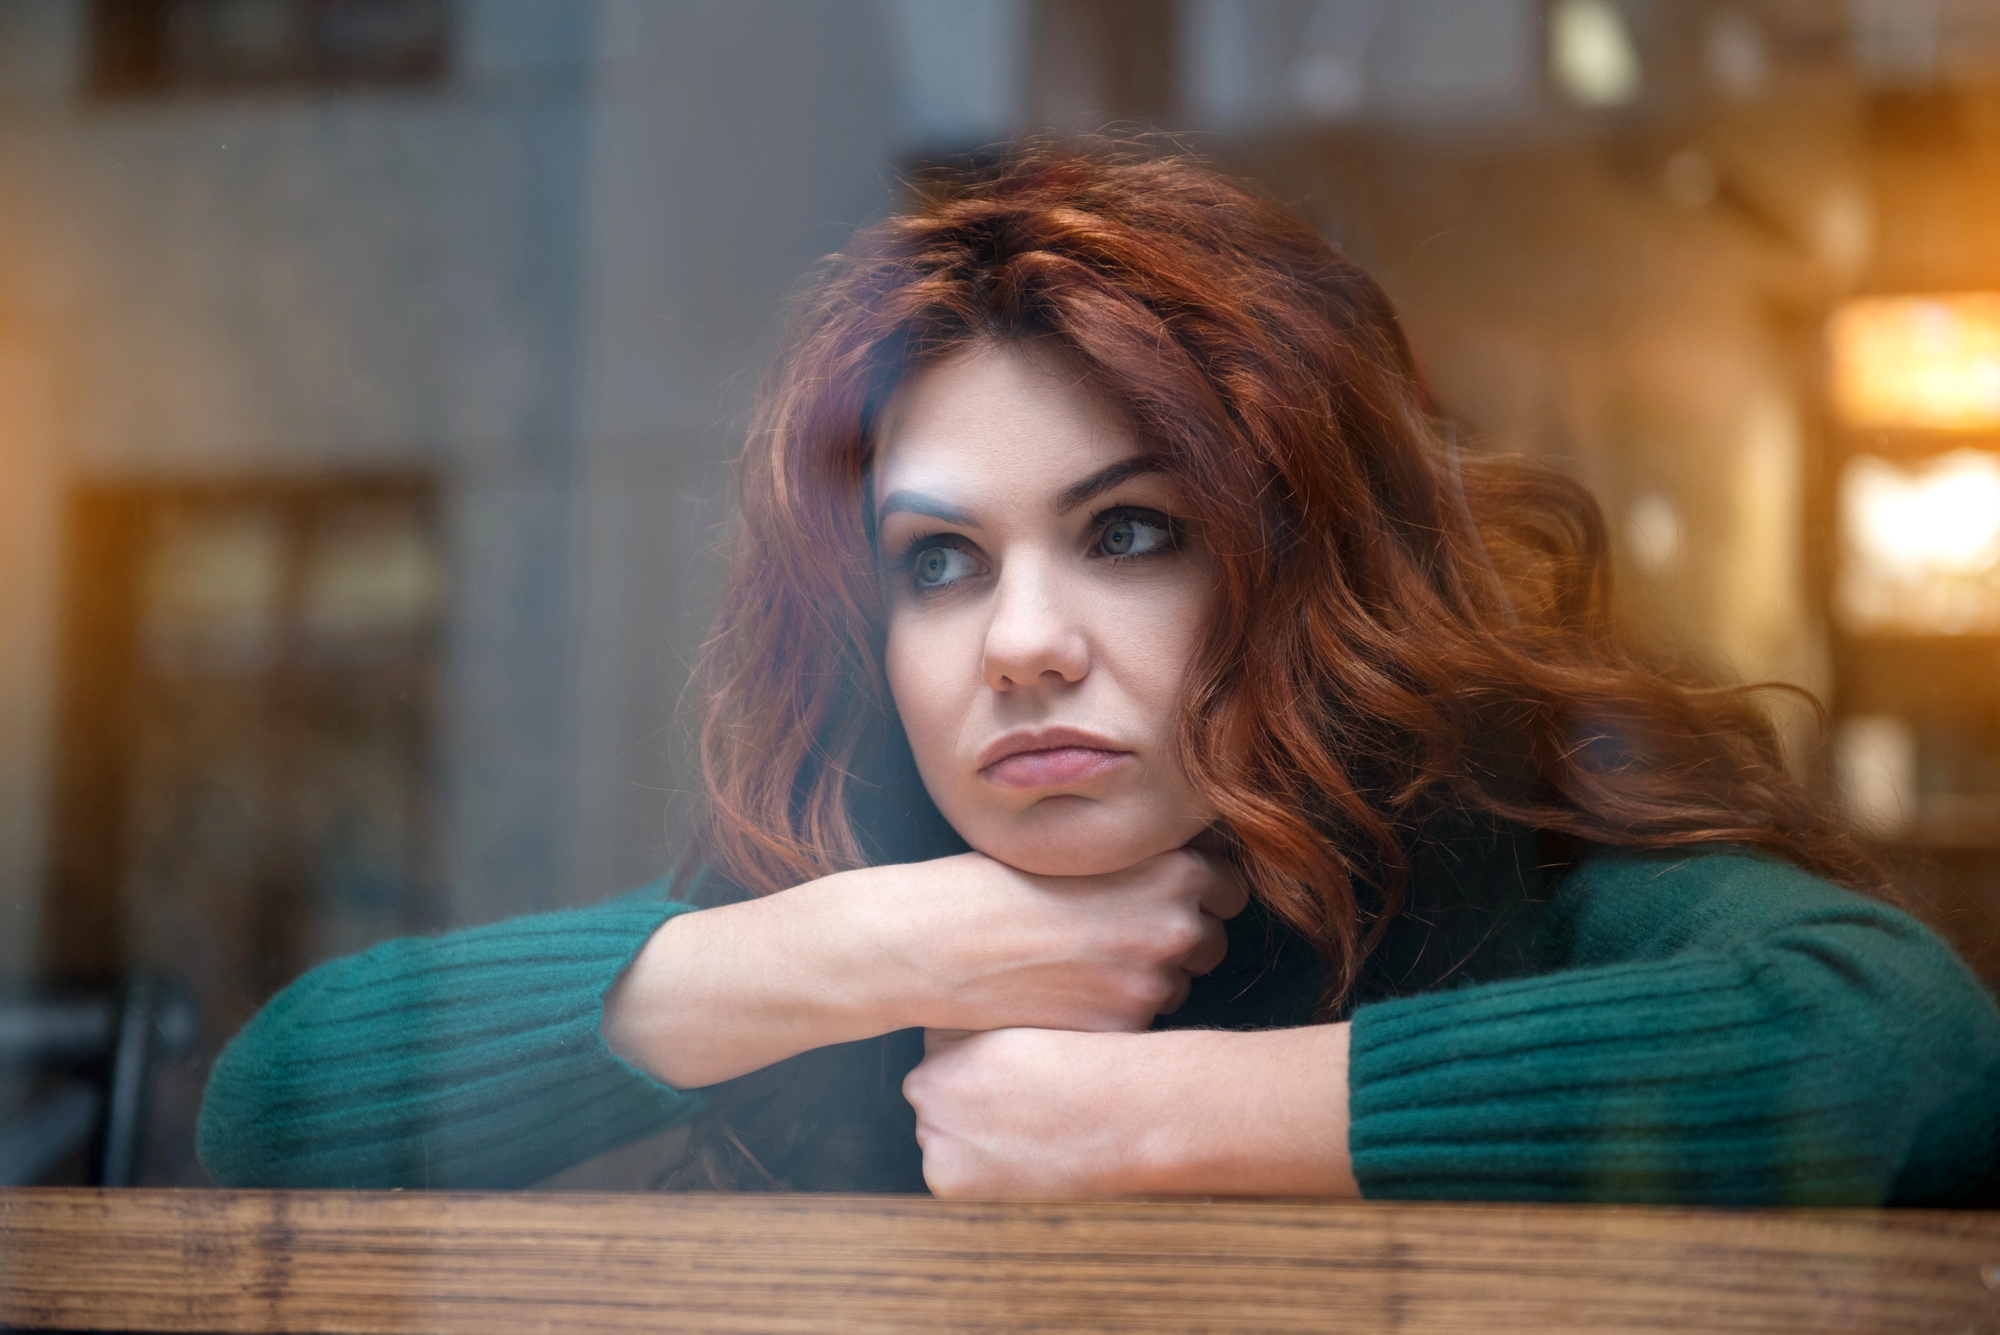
717 994
1731 1032
466 1060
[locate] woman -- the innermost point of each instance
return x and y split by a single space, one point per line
1140 758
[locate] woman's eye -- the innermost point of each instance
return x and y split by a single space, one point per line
1134 535
935 567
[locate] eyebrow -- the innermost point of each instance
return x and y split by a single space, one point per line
920 503
1103 480
1077 493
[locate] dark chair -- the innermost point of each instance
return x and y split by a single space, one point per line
106 1045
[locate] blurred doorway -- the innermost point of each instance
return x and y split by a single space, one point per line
245 744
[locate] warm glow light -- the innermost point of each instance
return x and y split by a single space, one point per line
1924 362
1944 517
1921 546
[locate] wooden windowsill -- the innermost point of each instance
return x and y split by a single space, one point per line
489 1264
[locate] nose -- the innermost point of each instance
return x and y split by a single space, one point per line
1033 638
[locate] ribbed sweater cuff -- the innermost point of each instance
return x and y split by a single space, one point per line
473 1060
1689 1080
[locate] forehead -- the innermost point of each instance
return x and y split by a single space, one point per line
997 415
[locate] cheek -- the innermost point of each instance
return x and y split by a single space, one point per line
1147 638
932 673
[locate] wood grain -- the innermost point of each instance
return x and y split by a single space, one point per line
494 1264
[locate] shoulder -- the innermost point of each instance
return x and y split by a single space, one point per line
1661 901
1703 869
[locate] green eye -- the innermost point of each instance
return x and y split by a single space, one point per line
935 567
1133 536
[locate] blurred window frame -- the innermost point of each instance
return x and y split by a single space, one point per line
140 49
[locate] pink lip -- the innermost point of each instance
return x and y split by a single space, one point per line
1050 758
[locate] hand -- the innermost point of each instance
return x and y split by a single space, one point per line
1048 1114
973 944
1020 1113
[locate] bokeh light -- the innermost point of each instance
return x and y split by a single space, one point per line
1927 363
1922 544
1591 54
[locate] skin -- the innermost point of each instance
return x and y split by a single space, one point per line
1042 609
1037 596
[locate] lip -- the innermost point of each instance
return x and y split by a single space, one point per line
1050 757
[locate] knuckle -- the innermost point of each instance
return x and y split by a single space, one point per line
1162 936
1181 934
946 1172
1151 990
945 1183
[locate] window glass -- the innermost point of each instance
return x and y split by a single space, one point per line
447 480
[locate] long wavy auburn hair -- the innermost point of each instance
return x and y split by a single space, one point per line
1395 625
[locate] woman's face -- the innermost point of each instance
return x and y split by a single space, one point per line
1043 607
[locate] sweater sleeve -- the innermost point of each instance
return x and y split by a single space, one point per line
1730 1030
466 1060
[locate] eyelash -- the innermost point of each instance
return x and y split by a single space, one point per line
906 564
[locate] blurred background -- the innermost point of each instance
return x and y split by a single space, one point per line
369 371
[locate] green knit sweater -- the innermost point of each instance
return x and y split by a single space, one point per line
1706 1028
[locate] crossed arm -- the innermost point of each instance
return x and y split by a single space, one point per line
1040 1078
1722 1029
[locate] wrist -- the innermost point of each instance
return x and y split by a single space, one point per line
862 953
718 993
898 934
1210 1112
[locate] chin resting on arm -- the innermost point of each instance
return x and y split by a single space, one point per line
958 943
1031 988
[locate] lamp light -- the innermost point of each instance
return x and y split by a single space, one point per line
1920 546
1924 363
